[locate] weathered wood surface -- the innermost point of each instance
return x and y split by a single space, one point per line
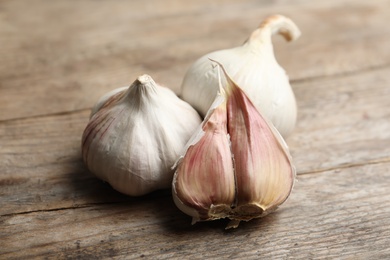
67 55
58 57
337 219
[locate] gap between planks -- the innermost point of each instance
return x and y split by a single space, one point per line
294 81
162 193
345 166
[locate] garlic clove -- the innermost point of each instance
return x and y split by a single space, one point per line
204 184
136 135
263 168
254 67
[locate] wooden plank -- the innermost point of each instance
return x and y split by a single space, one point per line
343 121
57 58
339 214
42 156
93 47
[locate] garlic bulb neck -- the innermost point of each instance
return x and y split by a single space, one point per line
276 24
254 68
143 92
144 85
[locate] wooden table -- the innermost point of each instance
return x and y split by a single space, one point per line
58 57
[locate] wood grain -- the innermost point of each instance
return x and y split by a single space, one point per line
93 47
59 57
343 121
335 214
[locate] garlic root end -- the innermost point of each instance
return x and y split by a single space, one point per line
233 224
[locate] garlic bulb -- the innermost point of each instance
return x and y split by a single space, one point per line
135 136
254 68
236 166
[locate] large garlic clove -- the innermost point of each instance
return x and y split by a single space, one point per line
136 135
204 184
254 68
262 167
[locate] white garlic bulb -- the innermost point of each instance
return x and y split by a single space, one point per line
254 68
135 136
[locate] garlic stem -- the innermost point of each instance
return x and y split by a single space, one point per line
275 24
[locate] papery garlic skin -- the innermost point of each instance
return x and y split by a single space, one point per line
262 166
204 183
254 68
106 97
136 135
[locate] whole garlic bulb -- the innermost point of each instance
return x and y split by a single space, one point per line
135 136
254 68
